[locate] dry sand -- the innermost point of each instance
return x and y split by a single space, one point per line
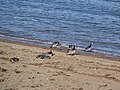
61 72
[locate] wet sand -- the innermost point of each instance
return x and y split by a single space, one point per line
61 72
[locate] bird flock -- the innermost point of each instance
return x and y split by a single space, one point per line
71 50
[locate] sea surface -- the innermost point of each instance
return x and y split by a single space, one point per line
67 21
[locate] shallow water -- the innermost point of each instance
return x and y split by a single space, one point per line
67 21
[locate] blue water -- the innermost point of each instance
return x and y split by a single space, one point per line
67 21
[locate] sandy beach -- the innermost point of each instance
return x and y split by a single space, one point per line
60 72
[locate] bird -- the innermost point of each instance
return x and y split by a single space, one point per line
14 59
71 50
45 55
42 56
88 48
50 53
71 46
55 45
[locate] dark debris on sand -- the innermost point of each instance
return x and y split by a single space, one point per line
3 70
2 52
14 59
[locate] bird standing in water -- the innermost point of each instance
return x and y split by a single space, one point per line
89 48
55 45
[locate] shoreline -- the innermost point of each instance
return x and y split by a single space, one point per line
96 55
46 43
60 72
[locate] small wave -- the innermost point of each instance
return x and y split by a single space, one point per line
117 1
106 53
24 39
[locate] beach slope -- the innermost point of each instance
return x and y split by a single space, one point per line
60 72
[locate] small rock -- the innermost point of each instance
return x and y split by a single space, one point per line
31 77
1 79
34 86
24 66
18 71
107 75
38 73
10 89
3 70
2 52
80 89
